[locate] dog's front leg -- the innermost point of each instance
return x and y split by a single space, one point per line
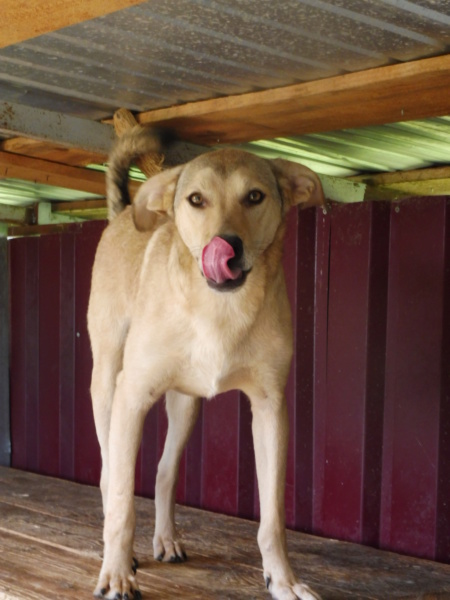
117 580
270 437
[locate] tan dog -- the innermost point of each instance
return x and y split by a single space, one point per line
192 304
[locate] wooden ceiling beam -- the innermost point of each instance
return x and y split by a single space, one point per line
53 152
15 166
402 92
406 184
28 18
55 127
84 209
67 131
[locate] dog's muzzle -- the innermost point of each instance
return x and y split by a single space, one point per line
222 263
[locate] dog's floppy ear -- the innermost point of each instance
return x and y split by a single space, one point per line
155 199
298 184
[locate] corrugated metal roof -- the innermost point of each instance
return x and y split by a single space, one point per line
177 51
395 147
17 192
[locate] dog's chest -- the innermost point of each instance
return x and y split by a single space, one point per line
211 363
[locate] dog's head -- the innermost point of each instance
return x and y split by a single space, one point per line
228 206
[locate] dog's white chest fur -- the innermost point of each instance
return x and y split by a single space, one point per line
207 362
209 367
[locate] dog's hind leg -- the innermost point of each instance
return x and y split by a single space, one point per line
182 412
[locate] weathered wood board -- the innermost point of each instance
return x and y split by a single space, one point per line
50 547
28 19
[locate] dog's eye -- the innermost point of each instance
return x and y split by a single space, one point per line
255 197
196 200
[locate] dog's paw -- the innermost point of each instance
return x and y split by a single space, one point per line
284 591
117 586
168 550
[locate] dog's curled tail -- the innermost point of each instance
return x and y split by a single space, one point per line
134 143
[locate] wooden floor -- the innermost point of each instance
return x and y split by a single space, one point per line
50 547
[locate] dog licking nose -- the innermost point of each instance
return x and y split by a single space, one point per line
217 259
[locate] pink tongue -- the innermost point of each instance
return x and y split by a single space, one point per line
215 259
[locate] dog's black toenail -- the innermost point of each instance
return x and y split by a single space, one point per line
175 559
268 581
137 595
160 556
126 597
184 555
103 591
118 596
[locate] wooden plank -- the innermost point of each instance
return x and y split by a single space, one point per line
399 177
14 166
408 189
77 157
45 215
28 19
84 209
78 206
402 184
86 138
50 545
24 572
413 90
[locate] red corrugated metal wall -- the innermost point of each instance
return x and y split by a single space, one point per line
368 394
